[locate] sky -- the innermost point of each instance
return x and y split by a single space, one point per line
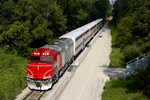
111 1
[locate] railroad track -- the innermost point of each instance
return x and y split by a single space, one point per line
34 95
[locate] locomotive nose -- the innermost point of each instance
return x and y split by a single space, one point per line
38 71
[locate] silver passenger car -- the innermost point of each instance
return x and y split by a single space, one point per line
82 35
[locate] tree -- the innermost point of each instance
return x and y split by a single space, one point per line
133 26
26 24
34 23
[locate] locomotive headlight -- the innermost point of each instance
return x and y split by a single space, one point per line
45 53
36 53
28 74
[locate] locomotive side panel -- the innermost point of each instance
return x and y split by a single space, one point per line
67 51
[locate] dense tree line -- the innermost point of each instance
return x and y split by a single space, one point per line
132 18
27 24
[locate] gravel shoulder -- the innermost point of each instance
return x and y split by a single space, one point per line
90 77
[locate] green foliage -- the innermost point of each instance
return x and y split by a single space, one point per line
130 52
17 37
122 89
116 57
134 28
133 24
79 12
7 16
12 75
37 20
120 9
44 17
142 81
124 31
102 6
74 14
27 24
114 33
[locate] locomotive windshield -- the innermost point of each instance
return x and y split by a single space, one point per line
35 58
44 59
48 59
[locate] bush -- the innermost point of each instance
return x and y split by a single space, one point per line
12 75
142 81
122 89
124 35
130 52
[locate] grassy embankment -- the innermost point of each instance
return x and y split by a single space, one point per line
130 88
12 75
123 89
116 55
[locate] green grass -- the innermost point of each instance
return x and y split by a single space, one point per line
116 56
12 75
122 89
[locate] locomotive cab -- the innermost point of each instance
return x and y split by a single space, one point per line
45 58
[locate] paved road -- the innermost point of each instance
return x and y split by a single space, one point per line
90 77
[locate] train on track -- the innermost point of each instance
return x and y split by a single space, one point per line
50 61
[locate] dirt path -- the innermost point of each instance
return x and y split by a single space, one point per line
90 77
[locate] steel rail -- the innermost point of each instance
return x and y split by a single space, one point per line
34 95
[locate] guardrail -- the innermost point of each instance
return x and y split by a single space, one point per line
141 62
137 58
